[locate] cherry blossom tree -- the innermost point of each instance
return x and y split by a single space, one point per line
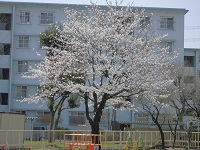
115 51
56 100
121 57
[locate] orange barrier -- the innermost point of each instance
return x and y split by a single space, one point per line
82 141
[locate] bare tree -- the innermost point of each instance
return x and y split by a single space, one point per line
184 97
156 108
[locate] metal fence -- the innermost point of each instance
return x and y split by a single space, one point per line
111 140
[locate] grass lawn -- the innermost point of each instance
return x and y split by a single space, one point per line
36 145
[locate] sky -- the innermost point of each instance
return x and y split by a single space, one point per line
192 18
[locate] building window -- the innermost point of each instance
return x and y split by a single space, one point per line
4 49
5 21
166 23
3 98
142 117
21 91
77 118
47 18
144 22
189 61
25 17
166 44
23 41
4 73
189 79
43 117
22 66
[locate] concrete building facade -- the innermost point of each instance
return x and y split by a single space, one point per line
20 26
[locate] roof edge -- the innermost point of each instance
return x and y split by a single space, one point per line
65 4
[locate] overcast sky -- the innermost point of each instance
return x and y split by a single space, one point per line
192 18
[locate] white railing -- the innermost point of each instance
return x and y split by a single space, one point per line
112 140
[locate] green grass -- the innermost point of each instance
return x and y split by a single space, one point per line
36 145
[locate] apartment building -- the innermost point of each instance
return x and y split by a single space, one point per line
20 26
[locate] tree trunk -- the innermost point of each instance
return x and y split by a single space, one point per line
57 120
59 109
173 133
162 137
174 141
161 134
189 137
95 130
175 129
52 115
98 110
181 121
